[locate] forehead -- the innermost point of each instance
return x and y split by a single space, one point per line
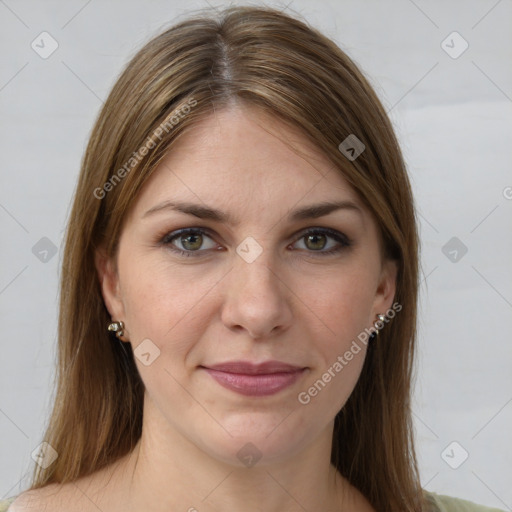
244 159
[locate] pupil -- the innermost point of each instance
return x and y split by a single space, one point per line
192 242
187 238
314 239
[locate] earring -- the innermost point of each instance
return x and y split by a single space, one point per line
381 319
117 327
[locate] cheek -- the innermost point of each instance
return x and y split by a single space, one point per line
162 302
343 305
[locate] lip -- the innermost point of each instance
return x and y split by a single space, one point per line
251 379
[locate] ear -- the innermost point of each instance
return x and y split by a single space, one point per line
109 282
386 288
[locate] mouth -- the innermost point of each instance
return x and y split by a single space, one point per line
251 379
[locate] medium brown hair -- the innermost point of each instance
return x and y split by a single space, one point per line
264 58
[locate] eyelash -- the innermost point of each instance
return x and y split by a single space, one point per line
342 239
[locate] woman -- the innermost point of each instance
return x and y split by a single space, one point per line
239 287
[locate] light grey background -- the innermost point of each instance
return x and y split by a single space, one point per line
453 118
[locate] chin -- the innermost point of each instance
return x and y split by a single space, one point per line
257 439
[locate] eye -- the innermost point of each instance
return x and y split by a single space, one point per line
317 240
190 239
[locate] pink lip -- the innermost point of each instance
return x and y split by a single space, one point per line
255 379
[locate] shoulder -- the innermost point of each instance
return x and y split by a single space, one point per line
33 500
5 504
80 495
442 503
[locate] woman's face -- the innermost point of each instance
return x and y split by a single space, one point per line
254 280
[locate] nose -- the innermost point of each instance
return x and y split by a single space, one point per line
257 298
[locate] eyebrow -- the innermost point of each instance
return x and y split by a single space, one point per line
312 211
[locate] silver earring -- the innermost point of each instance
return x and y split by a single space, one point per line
380 318
117 327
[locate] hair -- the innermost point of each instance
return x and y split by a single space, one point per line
264 58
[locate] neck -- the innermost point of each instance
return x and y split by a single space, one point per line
165 471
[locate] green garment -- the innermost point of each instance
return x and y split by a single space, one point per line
442 503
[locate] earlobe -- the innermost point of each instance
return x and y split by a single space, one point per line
109 283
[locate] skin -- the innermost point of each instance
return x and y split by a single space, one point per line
290 304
